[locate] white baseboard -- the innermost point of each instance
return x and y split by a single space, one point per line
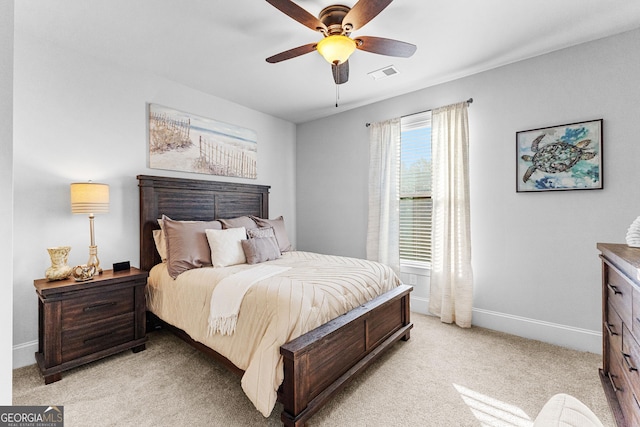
420 305
24 354
553 333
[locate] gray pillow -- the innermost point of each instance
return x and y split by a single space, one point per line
279 230
253 233
187 245
260 249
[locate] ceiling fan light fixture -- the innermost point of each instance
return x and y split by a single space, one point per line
336 48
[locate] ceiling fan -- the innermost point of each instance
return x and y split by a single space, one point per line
336 22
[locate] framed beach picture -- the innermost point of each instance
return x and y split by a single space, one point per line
186 142
565 157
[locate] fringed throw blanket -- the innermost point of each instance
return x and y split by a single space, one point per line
227 296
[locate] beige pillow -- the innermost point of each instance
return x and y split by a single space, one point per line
260 249
279 230
241 221
226 247
161 245
187 245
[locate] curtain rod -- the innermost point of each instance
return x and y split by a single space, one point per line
469 101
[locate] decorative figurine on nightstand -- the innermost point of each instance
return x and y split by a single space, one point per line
59 269
83 272
633 234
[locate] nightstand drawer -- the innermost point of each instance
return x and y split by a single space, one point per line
98 336
98 306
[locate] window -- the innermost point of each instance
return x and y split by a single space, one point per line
415 189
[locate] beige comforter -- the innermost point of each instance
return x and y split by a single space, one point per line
274 311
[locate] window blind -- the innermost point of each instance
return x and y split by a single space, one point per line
415 188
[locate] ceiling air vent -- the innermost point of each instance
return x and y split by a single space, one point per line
383 72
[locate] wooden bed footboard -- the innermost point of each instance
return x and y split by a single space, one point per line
321 362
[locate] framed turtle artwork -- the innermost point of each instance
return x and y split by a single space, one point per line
565 157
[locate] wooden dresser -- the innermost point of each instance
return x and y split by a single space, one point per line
621 331
80 322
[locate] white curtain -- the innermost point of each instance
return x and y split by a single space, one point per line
451 295
383 240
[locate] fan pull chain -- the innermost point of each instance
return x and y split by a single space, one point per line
336 72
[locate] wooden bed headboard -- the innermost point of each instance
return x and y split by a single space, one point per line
192 199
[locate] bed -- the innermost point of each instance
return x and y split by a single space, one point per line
313 365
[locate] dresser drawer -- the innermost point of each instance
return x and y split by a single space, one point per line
631 360
78 342
620 295
635 313
613 325
96 306
626 397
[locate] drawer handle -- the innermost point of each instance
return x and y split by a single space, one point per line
626 358
608 326
613 384
614 289
99 306
99 337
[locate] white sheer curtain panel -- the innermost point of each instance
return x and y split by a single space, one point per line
383 241
451 295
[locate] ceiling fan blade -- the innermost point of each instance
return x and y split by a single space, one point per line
292 53
340 72
387 47
294 11
363 12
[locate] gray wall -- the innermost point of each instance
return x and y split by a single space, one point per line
79 118
6 195
537 273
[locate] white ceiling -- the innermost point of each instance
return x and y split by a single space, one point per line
219 46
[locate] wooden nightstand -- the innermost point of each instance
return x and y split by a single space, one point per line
79 322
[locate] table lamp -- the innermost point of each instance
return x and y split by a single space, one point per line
90 198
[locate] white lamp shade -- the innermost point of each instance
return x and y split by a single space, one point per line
89 197
336 49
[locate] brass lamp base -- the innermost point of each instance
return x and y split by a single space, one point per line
93 259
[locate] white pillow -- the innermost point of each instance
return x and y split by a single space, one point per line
226 246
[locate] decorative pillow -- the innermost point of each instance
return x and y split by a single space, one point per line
241 221
161 245
279 230
226 246
260 249
254 233
217 225
187 245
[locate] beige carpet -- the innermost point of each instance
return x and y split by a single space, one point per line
443 376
